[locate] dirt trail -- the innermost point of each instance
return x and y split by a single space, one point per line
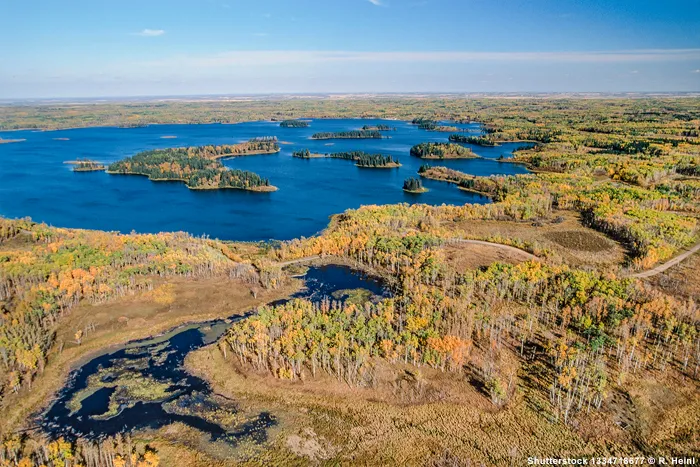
668 264
513 249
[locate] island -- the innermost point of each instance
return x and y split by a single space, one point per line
306 154
361 158
476 140
442 151
7 141
86 165
378 128
414 185
294 124
198 167
433 125
355 134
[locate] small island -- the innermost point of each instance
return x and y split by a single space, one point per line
355 134
476 140
294 124
306 154
361 158
198 167
442 151
433 125
414 185
378 128
87 165
7 141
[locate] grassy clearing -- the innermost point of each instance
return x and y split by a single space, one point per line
564 235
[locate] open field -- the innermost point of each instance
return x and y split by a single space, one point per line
564 235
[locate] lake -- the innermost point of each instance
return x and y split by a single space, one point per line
35 182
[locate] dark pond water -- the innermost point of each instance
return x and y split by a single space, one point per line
35 182
118 392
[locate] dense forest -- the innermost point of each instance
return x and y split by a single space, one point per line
441 151
477 140
197 167
294 124
354 134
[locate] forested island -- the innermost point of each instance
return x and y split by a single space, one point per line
442 151
361 158
378 128
414 185
87 165
198 167
477 140
432 125
294 124
354 134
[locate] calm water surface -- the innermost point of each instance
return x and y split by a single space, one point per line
35 182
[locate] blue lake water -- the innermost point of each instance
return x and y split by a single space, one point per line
35 182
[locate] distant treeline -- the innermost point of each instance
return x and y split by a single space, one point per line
477 140
354 134
441 151
361 158
294 124
190 166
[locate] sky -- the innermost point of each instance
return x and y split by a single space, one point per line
89 48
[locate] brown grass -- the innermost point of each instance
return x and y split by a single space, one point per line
683 279
467 256
563 234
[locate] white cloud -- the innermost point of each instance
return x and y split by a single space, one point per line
695 71
282 57
376 2
150 33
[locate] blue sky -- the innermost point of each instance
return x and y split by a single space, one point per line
81 48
